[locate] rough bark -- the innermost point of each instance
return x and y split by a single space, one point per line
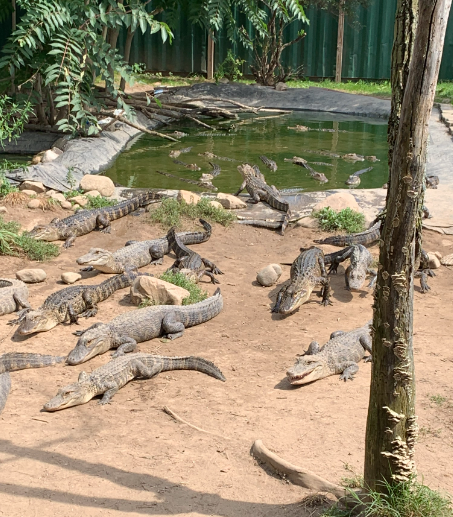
127 54
391 426
340 36
40 112
405 26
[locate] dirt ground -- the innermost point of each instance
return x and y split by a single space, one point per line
130 458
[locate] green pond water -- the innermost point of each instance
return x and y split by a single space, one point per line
253 136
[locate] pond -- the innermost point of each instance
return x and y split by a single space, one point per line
254 135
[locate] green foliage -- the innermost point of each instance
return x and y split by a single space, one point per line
14 243
346 220
171 212
5 186
229 68
438 399
99 202
196 293
70 177
13 116
72 193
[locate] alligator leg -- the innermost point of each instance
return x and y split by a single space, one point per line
73 316
278 301
324 280
373 274
20 316
423 275
210 265
241 188
70 238
346 278
210 275
81 332
367 344
111 388
104 222
91 308
126 344
349 369
285 223
20 302
172 327
335 258
337 333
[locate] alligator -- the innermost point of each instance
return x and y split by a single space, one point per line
186 180
352 157
322 153
365 238
176 152
324 164
211 156
259 190
216 170
14 361
137 254
299 128
341 354
431 181
307 271
354 178
270 164
13 296
85 221
188 259
191 166
130 328
70 303
180 134
319 176
372 159
360 265
109 378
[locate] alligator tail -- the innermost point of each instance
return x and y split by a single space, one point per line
5 388
14 361
108 287
192 363
130 205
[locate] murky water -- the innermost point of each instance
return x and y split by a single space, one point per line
253 136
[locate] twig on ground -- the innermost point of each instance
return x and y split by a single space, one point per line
176 417
229 101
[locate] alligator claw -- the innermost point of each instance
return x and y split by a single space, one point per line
326 303
368 359
78 332
88 268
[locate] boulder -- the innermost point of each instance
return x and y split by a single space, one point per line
102 184
49 156
93 193
80 200
447 260
269 275
58 196
34 203
31 276
36 186
189 197
434 262
231 202
70 278
308 222
338 202
156 290
438 254
50 192
215 204
281 87
66 205
30 193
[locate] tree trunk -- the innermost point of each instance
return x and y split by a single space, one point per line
40 113
340 36
13 28
403 42
391 426
127 53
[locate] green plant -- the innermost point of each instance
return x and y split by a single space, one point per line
196 293
70 178
13 116
346 220
5 186
72 193
138 68
438 399
229 68
99 202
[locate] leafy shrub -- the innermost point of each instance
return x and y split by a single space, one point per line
347 220
197 294
229 68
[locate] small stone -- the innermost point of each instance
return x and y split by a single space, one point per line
447 260
434 262
231 202
50 192
93 193
31 276
189 197
156 290
269 275
338 202
216 204
3 210
36 186
102 184
67 205
30 193
58 196
70 278
34 203
438 254
80 200
281 87
48 156
307 222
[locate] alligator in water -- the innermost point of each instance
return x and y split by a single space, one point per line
176 152
70 303
307 271
270 164
137 326
213 156
13 296
186 180
259 190
358 269
85 221
354 178
318 176
111 377
216 170
137 254
340 355
190 166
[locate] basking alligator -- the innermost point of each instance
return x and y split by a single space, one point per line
339 355
13 295
188 259
85 221
354 178
14 361
138 254
70 303
191 166
366 238
109 378
259 190
270 164
360 265
319 176
176 152
130 328
307 271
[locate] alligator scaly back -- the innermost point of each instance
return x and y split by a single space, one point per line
365 238
13 295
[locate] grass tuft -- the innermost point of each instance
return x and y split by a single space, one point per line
99 202
171 213
197 294
345 220
438 399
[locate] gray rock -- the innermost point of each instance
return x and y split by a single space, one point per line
34 203
102 184
269 275
156 290
31 276
36 186
70 278
230 201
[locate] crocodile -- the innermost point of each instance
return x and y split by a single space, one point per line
270 164
354 178
70 303
211 156
307 271
112 376
352 157
180 134
372 159
137 254
360 265
319 176
216 170
431 181
298 127
259 190
323 164
130 328
191 166
186 180
85 221
176 152
365 238
188 259
341 354
13 295
14 361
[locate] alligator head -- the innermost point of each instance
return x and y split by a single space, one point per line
308 368
44 232
356 277
293 297
98 258
40 320
353 180
75 394
246 170
93 342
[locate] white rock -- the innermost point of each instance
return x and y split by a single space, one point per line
66 205
34 203
188 197
434 262
102 184
438 254
30 193
50 192
80 200
31 276
447 260
230 202
3 210
338 202
58 196
93 193
307 222
156 290
36 186
216 204
70 278
269 275
49 156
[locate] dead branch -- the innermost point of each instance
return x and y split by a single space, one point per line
200 122
176 417
229 101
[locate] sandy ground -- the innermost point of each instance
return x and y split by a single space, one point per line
130 458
